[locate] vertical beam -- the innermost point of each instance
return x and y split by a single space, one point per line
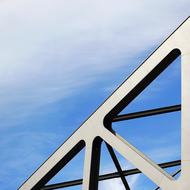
117 165
185 157
91 165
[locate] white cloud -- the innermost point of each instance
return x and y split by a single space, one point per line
112 184
117 183
50 49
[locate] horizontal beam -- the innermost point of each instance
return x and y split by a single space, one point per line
147 113
108 176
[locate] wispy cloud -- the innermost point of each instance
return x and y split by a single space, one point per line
50 50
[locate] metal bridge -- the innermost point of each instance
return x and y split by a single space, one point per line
98 128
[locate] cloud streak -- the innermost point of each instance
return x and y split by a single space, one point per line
51 50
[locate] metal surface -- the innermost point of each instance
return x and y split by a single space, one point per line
177 172
108 176
97 127
147 113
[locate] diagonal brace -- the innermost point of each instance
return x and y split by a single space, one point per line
117 165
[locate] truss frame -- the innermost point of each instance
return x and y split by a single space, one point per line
97 127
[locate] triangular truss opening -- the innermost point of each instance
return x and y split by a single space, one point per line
163 91
73 170
160 126
115 165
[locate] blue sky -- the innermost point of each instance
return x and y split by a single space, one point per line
59 60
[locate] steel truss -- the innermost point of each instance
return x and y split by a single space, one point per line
98 128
